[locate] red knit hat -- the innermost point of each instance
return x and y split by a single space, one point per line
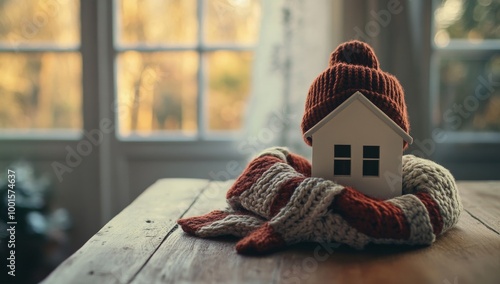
354 67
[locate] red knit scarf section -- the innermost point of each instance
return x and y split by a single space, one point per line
261 198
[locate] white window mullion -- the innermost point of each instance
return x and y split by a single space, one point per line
201 93
106 94
38 48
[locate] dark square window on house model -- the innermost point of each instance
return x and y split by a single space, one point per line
342 160
371 160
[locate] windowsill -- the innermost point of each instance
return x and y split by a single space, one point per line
218 136
39 134
453 137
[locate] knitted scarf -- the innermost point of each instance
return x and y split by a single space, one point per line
275 203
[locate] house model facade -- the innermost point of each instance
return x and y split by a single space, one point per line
358 145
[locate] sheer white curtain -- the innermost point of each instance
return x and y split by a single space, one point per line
296 39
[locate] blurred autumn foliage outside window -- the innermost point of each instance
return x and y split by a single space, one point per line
40 88
467 44
200 49
182 65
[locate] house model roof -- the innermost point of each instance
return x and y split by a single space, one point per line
373 108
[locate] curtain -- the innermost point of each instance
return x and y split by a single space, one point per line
399 32
295 42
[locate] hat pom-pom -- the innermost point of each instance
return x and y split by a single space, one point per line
356 53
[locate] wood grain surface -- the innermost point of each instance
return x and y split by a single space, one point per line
143 245
124 245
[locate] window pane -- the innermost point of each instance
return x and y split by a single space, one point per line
157 21
229 78
342 167
40 91
342 151
370 168
371 152
235 21
469 94
35 21
157 91
473 20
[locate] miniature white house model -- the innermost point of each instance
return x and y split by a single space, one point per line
358 145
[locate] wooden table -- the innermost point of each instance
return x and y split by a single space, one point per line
143 244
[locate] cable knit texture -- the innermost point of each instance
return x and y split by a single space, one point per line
275 203
354 67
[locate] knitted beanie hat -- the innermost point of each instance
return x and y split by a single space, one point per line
354 67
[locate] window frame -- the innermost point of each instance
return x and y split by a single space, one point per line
201 48
115 154
467 155
34 134
50 143
456 48
366 159
342 158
